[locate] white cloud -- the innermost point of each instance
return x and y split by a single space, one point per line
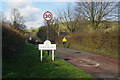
34 24
8 14
18 3
31 14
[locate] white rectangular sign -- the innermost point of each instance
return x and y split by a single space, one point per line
47 47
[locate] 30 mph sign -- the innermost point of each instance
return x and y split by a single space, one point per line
47 16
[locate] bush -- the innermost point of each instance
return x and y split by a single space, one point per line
96 39
12 40
42 34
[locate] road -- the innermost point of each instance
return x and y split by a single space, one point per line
98 66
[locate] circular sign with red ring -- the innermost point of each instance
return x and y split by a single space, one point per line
47 16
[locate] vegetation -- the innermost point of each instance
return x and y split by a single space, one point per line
97 40
96 11
17 20
103 40
69 18
33 30
42 33
92 27
32 33
12 40
26 64
86 26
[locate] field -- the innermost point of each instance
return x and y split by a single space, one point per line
26 64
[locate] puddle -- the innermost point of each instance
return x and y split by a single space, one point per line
66 59
78 52
88 63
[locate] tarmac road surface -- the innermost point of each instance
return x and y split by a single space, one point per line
98 66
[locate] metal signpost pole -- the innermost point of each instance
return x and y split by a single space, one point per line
41 55
48 34
48 16
47 29
52 55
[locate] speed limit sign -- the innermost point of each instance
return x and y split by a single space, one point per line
47 16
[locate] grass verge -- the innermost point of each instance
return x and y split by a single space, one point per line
98 51
26 64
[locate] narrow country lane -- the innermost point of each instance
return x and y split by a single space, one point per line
98 66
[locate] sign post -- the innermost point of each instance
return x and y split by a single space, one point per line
41 55
48 30
48 16
47 46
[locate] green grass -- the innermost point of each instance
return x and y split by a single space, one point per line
30 30
26 64
98 51
34 34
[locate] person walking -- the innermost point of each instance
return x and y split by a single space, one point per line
64 40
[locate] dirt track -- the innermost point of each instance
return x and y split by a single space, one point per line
97 65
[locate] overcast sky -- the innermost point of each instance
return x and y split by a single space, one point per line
33 11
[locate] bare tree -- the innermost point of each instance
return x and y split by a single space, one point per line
57 26
17 20
16 16
51 22
96 11
2 17
69 18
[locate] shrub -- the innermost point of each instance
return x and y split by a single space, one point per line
12 40
96 39
42 34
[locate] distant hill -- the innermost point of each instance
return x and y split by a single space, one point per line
35 29
32 32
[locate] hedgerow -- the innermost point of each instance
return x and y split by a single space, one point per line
96 40
12 40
